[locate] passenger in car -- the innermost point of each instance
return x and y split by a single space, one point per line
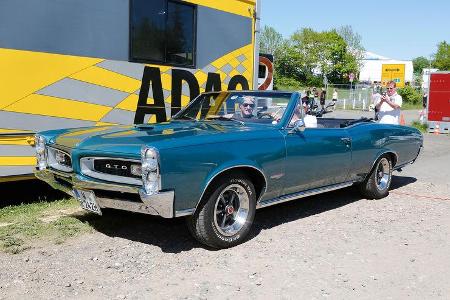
310 120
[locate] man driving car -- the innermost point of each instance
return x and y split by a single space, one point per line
246 106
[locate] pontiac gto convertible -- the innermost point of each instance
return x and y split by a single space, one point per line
222 157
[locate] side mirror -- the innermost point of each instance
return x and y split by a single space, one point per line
299 126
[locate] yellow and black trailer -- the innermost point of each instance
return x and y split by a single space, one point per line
77 63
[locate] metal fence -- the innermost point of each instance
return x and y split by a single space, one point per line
357 97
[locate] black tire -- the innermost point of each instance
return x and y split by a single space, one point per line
378 182
214 223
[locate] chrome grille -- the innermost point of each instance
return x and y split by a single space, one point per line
111 169
115 167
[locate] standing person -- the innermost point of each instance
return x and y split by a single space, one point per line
389 104
323 95
335 96
424 100
316 94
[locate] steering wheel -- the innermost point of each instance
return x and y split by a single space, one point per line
265 115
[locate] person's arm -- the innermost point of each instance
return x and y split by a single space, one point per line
379 102
393 104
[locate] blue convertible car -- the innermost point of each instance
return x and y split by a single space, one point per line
222 157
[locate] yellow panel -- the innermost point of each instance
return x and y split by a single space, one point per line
168 100
57 107
222 75
166 80
239 7
394 72
108 78
14 131
233 73
24 72
201 77
105 124
17 161
152 119
219 63
129 103
185 100
234 62
23 140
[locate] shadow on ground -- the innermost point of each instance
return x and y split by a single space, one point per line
172 235
27 191
400 181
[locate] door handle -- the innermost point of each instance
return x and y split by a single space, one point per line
346 140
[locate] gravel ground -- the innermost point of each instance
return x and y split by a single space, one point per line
334 245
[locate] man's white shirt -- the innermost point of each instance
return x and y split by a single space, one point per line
387 114
310 121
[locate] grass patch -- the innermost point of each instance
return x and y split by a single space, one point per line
422 127
23 225
409 105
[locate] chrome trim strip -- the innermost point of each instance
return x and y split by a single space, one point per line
185 212
87 168
237 166
93 185
386 152
48 176
161 204
303 194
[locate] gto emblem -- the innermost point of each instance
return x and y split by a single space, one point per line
117 167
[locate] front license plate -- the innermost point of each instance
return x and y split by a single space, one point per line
87 200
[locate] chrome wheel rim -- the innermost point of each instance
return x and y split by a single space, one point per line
231 210
383 174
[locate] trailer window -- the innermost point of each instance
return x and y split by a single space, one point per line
163 32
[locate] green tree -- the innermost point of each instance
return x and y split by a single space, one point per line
321 54
420 63
354 42
270 40
442 57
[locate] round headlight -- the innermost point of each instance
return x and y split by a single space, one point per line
149 153
149 158
152 177
149 164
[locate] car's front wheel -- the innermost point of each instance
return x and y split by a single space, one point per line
225 216
378 182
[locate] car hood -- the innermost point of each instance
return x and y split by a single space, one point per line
164 135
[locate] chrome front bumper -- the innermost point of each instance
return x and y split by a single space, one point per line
161 204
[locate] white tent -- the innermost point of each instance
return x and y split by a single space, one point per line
372 66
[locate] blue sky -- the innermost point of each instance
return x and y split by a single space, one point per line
398 29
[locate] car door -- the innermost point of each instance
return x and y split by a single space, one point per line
316 157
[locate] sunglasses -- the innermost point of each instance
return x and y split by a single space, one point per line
390 88
248 104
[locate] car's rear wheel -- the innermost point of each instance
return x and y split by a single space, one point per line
225 216
378 182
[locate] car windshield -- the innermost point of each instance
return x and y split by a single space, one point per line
253 107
